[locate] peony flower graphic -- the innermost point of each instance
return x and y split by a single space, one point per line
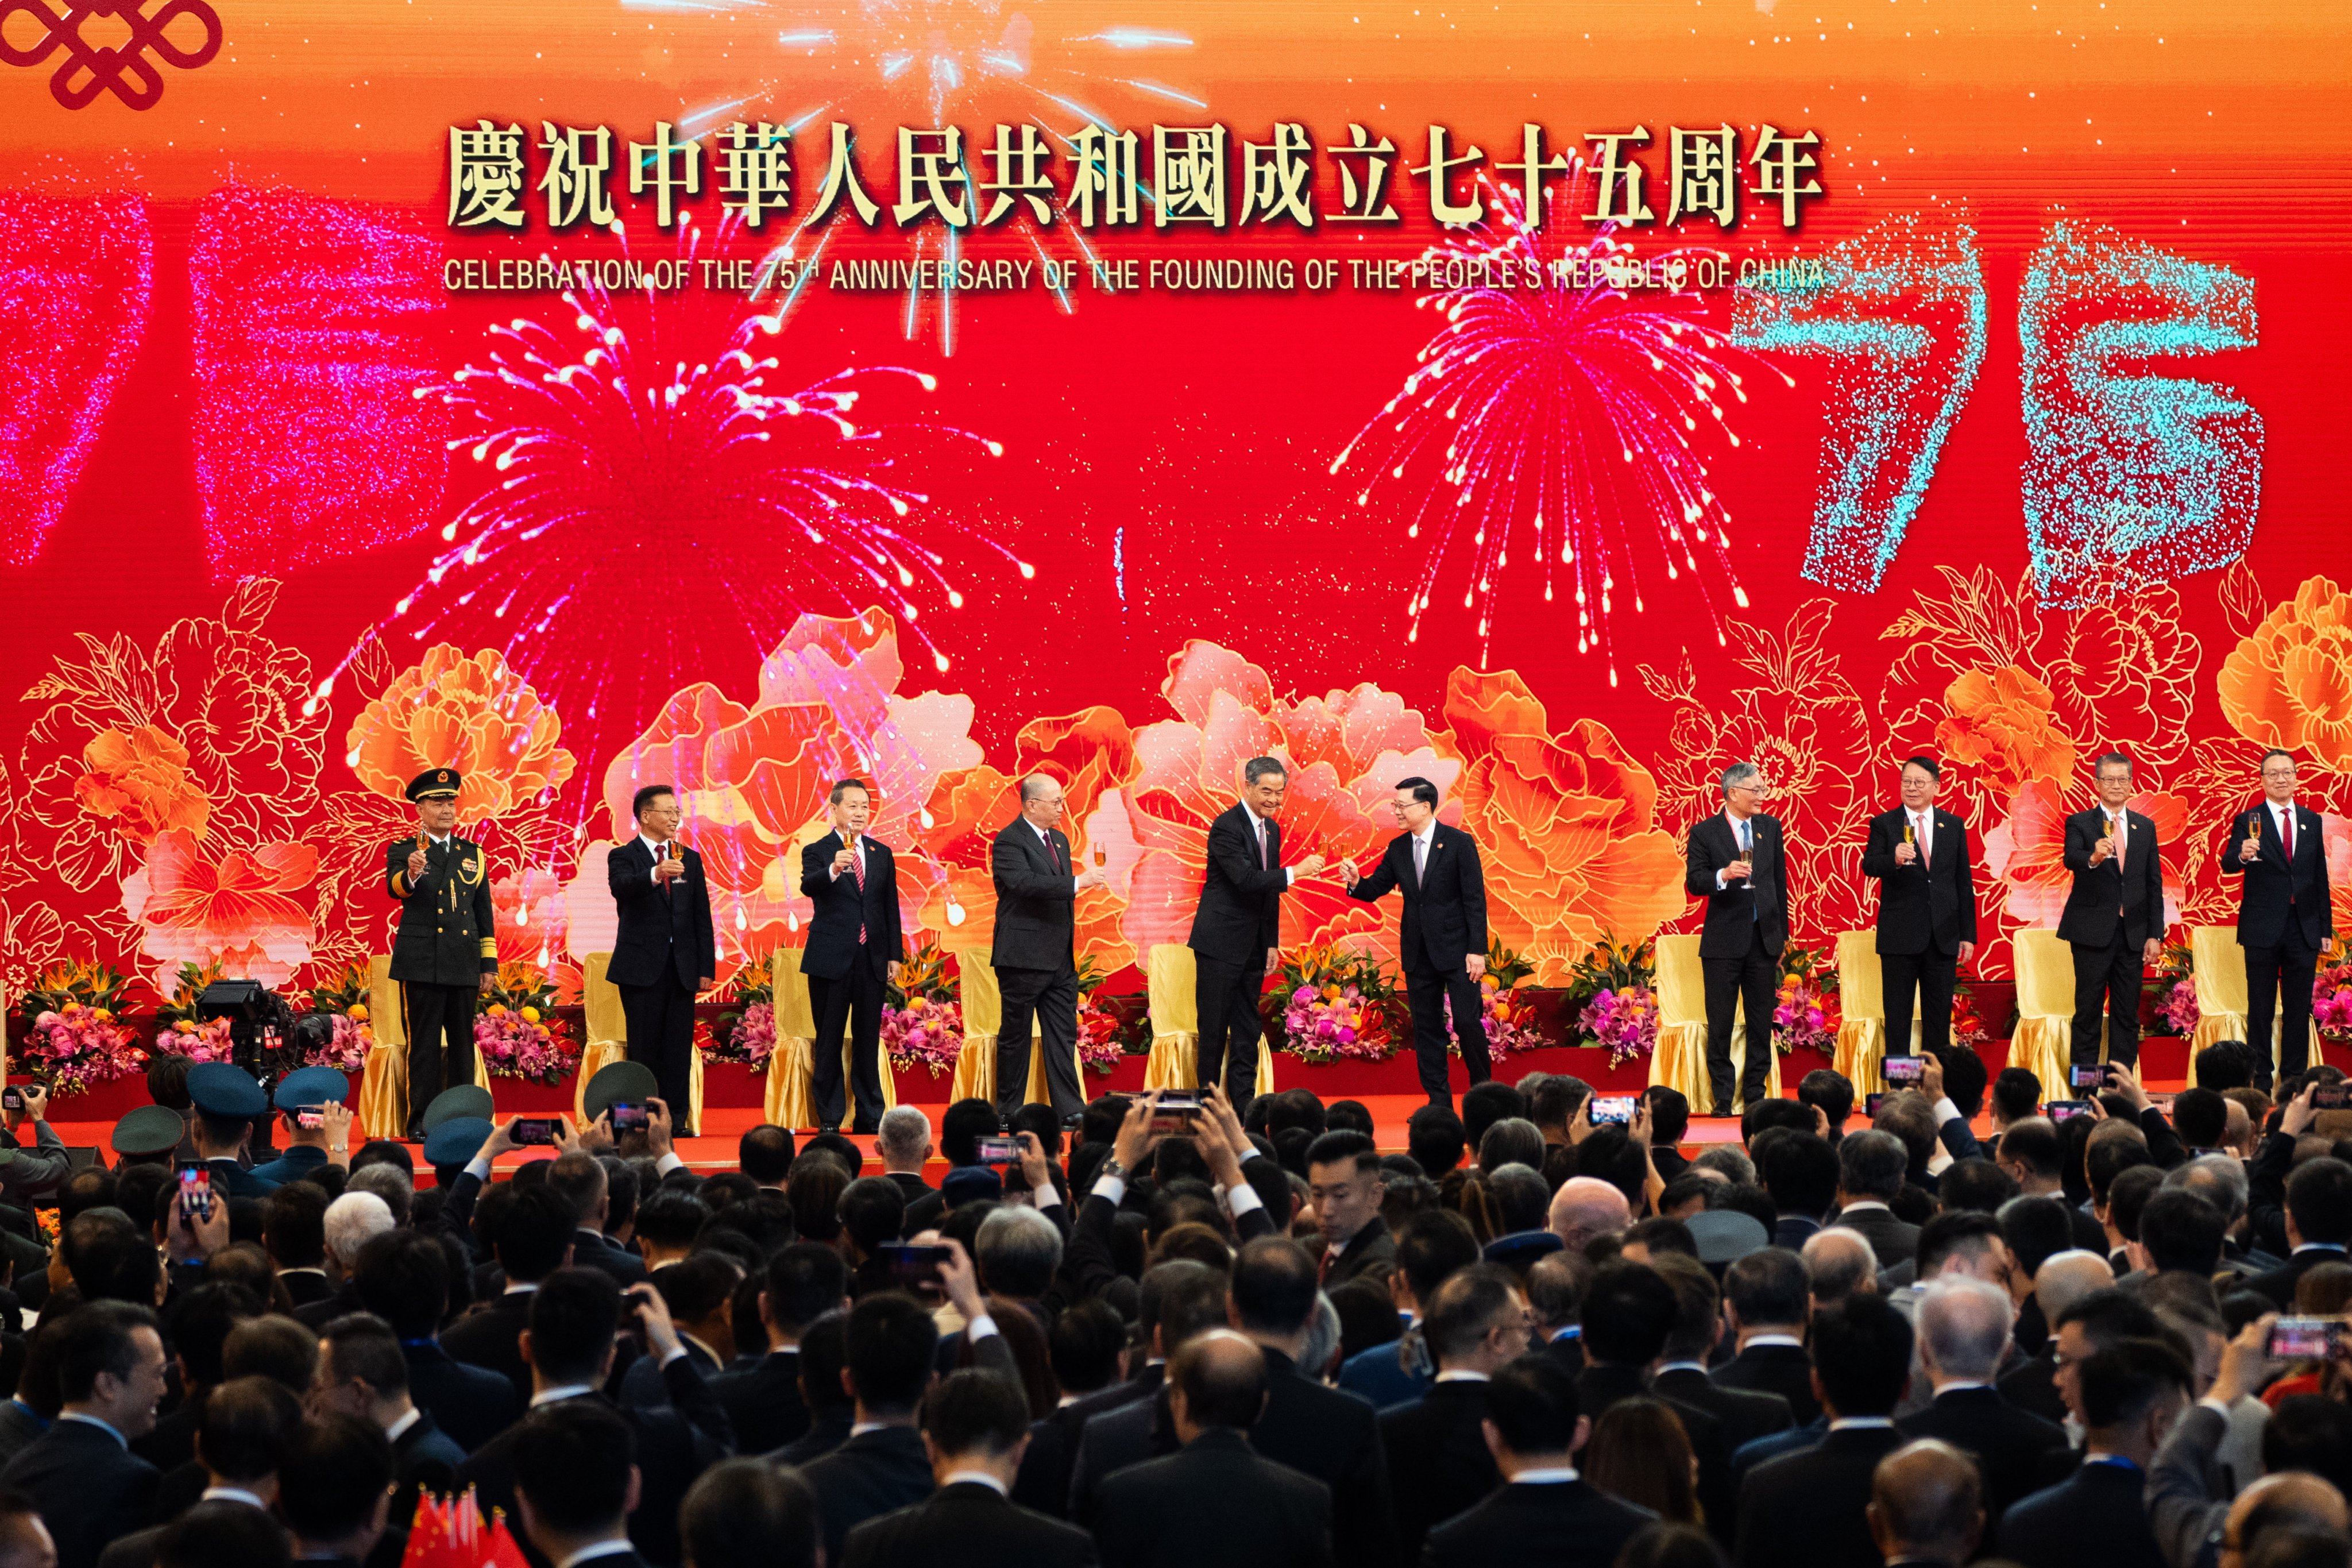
232 912
470 712
2290 682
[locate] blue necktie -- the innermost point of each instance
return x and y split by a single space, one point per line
1745 850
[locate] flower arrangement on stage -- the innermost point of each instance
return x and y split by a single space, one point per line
1335 1005
346 1043
922 1013
1507 1016
516 1032
1805 1013
1612 993
76 1039
1102 1043
749 1034
2172 991
1968 1023
2331 1000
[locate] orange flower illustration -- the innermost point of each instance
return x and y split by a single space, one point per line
468 712
2027 852
2129 674
1345 750
2003 723
1566 824
139 780
753 778
2290 682
232 912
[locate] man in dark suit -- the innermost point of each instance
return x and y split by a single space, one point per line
1805 1510
1237 929
2115 917
975 1426
1442 940
854 946
444 956
1765 1297
2284 914
1737 862
575 1316
804 1281
2318 1213
1629 1312
1544 1515
1963 1327
1217 1500
664 951
1316 1431
404 1278
1343 1172
2131 1395
1682 1375
1926 908
80 1474
1439 1463
362 1372
1871 1167
534 1239
580 1179
1034 950
577 1482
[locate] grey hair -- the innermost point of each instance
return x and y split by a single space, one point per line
1965 1323
1018 1239
395 1186
1738 773
351 1221
905 1131
1322 1339
2219 1177
1730 1161
1028 783
1257 768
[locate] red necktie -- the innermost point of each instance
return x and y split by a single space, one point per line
857 869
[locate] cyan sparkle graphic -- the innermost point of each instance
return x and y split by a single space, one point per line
1900 312
2132 479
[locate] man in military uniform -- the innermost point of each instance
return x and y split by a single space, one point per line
446 953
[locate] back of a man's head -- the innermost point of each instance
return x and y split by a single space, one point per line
892 1341
1467 1308
1019 1251
2319 1201
274 1346
403 1277
294 1224
572 1461
2182 1231
575 1314
1178 1299
2225 1063
1768 1289
965 1123
1431 1245
1802 1172
245 1428
1959 1239
903 1140
362 1345
1556 1284
804 1281
534 1234
1698 1306
333 1479
1832 1091
2310 1433
2278 1504
1274 1287
1871 1165
2016 1093
1628 1312
764 1154
1926 1504
1532 1402
1435 1139
749 1512
395 1184
1862 1355
350 1222
1586 1207
1485 1104
109 1259
976 1414
1221 1379
873 1210
1839 1263
99 1337
1979 1184
2065 1278
1964 1327
579 1179
2120 1385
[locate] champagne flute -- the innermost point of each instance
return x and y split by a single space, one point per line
1102 857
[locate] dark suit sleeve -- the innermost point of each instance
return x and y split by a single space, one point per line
630 883
395 869
2179 1504
690 1395
1968 888
1878 853
1087 1265
1958 1140
1375 887
816 863
2164 1145
2266 1192
1700 864
1248 1226
454 1217
1236 856
2082 838
2233 836
1474 896
1009 862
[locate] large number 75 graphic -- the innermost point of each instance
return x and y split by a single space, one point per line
2130 476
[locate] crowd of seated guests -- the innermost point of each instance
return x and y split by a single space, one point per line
1223 1336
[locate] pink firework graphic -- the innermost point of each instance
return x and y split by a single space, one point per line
1552 430
665 497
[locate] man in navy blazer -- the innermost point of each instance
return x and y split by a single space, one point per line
1737 862
854 945
1442 942
2285 916
2114 915
1237 929
1926 908
1034 950
664 952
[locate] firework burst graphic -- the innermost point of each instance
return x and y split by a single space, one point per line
663 495
1558 427
1048 66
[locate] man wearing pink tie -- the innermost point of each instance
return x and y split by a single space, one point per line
854 945
1237 929
2115 916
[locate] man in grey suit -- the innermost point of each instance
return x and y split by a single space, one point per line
1034 953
